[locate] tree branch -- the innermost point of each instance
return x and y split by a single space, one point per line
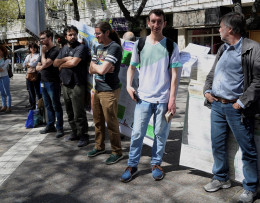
253 15
140 9
124 10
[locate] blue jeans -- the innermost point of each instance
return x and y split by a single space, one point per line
5 91
51 97
143 112
223 117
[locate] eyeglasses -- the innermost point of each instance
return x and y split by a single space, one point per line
98 33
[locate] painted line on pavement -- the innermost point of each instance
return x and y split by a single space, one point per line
12 158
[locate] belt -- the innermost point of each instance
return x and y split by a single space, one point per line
226 101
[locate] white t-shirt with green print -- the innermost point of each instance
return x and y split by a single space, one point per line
154 73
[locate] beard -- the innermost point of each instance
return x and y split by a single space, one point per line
73 42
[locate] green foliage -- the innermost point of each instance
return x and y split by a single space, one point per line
9 11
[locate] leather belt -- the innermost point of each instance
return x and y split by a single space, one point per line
226 101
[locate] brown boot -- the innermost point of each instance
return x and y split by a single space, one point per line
8 110
3 109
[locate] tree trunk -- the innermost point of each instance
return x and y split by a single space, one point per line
253 21
237 6
76 10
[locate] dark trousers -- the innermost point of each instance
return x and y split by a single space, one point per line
34 90
74 98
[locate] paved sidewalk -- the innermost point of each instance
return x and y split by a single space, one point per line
42 168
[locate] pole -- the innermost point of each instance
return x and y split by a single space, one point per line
13 57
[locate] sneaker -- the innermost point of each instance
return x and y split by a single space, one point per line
83 142
129 173
48 129
113 158
28 105
96 152
247 196
60 133
72 137
215 185
157 172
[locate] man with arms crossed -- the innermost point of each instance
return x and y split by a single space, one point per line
156 92
73 61
105 65
50 84
232 89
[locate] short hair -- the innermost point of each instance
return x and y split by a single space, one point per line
236 21
69 28
48 33
158 12
129 36
4 50
34 45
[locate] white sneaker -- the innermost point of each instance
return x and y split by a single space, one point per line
247 196
215 185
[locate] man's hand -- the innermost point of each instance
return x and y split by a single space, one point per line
172 107
60 67
44 49
210 98
131 91
67 58
1 70
236 106
111 70
39 66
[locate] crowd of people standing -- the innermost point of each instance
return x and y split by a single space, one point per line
231 90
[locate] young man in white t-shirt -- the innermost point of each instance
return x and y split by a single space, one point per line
156 94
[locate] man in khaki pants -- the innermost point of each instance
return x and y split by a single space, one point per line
105 65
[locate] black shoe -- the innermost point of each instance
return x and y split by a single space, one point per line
31 108
48 129
83 143
72 137
28 106
60 133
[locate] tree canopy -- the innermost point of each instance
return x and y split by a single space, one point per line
11 10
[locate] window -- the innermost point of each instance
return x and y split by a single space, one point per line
206 37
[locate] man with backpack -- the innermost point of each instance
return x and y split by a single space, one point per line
156 94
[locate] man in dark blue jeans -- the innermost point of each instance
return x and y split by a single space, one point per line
233 91
50 84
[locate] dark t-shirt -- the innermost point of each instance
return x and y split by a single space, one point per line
51 74
113 54
76 75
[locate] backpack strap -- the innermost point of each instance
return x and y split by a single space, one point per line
140 46
170 48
